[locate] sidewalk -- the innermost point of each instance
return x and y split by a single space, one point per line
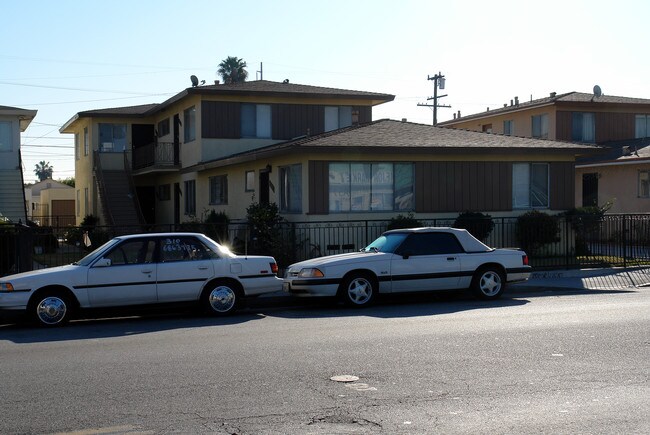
615 278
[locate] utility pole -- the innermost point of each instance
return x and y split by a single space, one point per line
438 82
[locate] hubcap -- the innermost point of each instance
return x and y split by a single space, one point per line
490 283
360 291
222 299
51 310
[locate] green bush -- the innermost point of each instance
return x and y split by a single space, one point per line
268 235
585 221
478 224
536 229
217 226
401 221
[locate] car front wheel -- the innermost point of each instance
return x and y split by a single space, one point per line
51 309
221 299
488 283
358 290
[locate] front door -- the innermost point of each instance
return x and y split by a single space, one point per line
129 279
147 198
590 190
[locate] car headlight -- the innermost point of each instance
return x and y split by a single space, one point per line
6 287
311 272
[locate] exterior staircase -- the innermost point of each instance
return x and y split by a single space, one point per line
12 195
118 195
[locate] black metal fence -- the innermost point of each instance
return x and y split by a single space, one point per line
610 240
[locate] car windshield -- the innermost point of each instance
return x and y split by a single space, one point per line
386 243
93 255
222 250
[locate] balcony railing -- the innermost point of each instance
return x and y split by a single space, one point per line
162 155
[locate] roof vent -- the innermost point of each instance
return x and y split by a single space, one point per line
516 101
216 82
403 119
627 151
553 94
286 81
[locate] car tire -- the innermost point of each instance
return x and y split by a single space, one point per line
50 309
358 290
221 299
488 283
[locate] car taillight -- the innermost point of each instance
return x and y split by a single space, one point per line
524 259
274 268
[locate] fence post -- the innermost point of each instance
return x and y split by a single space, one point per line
624 241
566 243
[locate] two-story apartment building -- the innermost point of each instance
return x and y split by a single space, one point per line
13 121
139 164
618 123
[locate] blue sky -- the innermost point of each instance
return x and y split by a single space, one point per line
62 57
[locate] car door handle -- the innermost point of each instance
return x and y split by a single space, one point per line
451 258
147 271
203 267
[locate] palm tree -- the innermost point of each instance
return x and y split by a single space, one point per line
43 170
231 70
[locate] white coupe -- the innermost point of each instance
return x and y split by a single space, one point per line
140 270
410 260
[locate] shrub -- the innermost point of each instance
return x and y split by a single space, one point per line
217 226
267 236
585 221
401 221
536 229
478 224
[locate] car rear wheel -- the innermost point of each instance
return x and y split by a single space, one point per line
358 290
488 283
51 309
221 299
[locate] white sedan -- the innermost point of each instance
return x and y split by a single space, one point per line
164 268
410 260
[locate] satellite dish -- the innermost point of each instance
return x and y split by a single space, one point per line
195 81
597 91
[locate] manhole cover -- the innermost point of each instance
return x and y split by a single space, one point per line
344 378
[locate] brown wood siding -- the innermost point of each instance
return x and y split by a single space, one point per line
609 126
562 185
318 187
293 120
220 120
463 186
63 207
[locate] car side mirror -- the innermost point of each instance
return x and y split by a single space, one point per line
406 254
103 262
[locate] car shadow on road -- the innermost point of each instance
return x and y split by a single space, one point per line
98 327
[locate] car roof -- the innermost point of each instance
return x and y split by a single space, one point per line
135 236
427 230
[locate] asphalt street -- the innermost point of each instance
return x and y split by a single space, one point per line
541 359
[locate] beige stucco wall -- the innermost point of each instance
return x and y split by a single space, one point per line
618 184
522 121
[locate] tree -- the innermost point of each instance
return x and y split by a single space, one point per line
231 70
43 170
69 181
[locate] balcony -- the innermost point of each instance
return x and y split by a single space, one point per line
156 157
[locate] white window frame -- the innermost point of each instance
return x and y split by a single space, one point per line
543 126
291 188
249 185
522 186
337 117
261 121
218 196
189 124
587 127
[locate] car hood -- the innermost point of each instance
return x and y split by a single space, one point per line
333 260
48 274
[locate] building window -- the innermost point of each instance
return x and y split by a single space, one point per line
540 126
250 181
530 188
219 190
583 127
189 124
163 127
337 117
86 141
256 120
78 202
190 198
370 187
5 136
291 189
112 138
644 184
164 192
76 146
641 126
486 128
509 128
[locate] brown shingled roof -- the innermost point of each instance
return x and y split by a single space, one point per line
388 136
